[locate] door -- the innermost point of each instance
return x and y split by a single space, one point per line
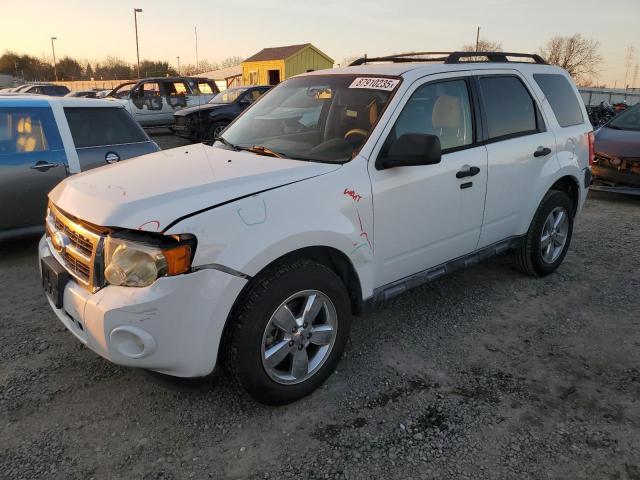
105 135
426 215
519 149
274 77
146 103
32 162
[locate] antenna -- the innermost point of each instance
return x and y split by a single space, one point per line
195 30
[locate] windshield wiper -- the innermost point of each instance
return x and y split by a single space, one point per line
259 149
226 142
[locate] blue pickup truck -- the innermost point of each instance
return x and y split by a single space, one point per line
44 139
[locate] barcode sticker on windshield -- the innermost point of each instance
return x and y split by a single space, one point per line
375 83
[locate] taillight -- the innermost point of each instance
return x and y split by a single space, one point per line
592 140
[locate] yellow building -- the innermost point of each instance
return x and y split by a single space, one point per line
272 65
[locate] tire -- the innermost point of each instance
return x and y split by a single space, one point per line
215 129
260 325
530 258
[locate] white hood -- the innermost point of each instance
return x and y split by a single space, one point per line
150 192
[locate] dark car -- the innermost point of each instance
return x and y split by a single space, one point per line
206 122
617 151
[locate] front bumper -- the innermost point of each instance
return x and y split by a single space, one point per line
173 326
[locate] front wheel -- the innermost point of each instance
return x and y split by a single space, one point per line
547 241
288 332
216 129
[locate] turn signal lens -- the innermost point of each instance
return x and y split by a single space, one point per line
178 259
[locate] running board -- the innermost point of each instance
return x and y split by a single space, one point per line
386 292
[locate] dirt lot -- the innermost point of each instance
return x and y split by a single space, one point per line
484 374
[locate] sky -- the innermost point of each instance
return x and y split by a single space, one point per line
91 30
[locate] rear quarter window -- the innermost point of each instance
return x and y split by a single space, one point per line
95 127
561 97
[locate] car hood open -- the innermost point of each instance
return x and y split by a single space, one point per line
149 192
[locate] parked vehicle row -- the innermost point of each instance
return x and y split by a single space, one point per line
45 139
153 101
336 190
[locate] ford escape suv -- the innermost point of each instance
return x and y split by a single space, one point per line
338 189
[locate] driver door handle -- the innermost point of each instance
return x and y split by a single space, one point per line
467 171
542 151
43 166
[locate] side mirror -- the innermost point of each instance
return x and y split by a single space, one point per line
411 149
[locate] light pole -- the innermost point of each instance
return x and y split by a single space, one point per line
55 70
178 65
135 21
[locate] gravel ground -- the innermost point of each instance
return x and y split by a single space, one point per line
483 374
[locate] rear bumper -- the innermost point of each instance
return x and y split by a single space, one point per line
173 326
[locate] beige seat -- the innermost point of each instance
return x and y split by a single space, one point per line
28 138
447 121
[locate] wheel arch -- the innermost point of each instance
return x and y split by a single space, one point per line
330 257
571 186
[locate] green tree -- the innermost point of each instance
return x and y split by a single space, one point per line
69 69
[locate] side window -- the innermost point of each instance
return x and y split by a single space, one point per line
561 97
442 109
176 88
95 127
28 130
205 88
254 95
509 108
150 89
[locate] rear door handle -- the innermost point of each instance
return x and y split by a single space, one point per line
542 152
467 171
43 166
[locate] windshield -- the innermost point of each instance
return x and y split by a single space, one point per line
228 96
324 118
629 120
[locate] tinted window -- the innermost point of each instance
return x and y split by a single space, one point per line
27 130
92 127
441 109
561 97
509 107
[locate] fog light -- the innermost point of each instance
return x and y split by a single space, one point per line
132 342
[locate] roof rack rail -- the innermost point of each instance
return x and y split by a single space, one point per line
449 57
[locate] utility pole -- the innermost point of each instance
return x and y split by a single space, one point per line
178 65
195 29
629 61
135 21
477 38
635 76
55 70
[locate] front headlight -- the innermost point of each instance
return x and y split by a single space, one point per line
140 262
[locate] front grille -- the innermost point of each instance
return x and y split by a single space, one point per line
181 120
77 247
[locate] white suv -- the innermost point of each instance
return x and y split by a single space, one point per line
337 189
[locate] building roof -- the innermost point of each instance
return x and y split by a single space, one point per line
223 73
278 53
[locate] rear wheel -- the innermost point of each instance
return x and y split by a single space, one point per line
288 332
547 241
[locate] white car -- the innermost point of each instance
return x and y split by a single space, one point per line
338 189
153 101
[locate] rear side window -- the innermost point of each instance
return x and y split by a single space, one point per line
561 97
508 106
95 127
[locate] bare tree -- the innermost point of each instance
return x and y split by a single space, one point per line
577 55
231 62
483 46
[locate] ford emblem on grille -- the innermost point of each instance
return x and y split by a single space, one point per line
59 241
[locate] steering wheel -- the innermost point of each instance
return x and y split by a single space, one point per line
356 131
